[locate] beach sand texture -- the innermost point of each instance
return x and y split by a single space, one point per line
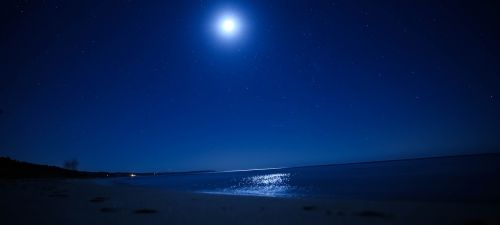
68 202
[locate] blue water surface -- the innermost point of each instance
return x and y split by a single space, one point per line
464 178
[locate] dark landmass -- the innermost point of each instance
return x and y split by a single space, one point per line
13 169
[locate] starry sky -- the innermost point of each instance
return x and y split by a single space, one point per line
150 86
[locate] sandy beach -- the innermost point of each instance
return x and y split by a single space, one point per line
69 202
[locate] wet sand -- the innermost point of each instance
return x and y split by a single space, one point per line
68 202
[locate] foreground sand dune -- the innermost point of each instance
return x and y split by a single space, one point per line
68 202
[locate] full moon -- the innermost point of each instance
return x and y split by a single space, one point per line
228 26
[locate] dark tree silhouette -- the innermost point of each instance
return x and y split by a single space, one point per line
71 164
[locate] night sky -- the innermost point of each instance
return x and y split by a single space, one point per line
156 86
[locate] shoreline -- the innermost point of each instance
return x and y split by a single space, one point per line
59 201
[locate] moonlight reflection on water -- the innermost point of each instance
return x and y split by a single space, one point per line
276 184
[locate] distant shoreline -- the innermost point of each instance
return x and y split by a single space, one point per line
405 159
14 169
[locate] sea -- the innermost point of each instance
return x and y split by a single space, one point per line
471 178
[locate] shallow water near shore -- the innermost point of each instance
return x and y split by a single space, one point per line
449 179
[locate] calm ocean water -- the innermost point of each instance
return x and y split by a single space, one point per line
463 178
